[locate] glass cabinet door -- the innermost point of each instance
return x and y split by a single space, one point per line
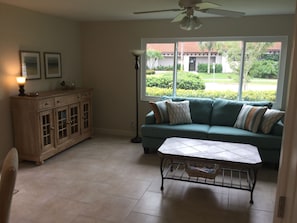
74 124
47 133
85 116
68 122
62 124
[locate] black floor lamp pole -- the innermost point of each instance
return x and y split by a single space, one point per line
136 54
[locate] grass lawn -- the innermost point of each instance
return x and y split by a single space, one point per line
219 78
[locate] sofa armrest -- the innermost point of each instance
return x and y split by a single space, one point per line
277 128
150 118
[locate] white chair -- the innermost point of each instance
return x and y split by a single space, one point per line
7 183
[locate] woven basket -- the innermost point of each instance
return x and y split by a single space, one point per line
209 171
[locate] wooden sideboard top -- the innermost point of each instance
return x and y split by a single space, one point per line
52 93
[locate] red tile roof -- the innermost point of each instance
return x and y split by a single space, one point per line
191 47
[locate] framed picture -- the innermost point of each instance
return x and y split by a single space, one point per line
30 64
52 65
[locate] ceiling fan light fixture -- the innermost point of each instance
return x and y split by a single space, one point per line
189 23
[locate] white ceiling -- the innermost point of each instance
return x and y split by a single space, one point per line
95 10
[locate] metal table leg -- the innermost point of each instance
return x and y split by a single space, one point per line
161 170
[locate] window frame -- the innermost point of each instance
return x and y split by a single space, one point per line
244 39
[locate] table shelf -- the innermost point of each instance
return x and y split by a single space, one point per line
243 179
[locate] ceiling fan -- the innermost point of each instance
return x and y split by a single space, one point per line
187 19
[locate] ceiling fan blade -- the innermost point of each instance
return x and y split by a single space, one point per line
206 5
162 10
179 17
223 12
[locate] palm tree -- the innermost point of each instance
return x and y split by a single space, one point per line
152 57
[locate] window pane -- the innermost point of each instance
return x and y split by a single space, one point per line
189 80
159 69
261 70
209 69
214 69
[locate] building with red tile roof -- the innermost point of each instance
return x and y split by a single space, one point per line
190 54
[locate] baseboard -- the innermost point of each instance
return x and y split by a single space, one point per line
115 132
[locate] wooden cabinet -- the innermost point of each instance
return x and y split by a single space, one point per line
50 122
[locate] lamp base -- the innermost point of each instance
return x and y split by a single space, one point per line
136 139
21 90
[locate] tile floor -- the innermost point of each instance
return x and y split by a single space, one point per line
108 179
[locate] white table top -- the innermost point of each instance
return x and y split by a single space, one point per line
210 150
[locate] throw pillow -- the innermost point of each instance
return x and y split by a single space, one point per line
270 117
160 111
249 117
179 112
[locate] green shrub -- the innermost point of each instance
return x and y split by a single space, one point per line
202 68
167 68
160 81
259 96
246 95
185 80
189 81
264 69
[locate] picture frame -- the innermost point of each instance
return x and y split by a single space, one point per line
30 64
52 65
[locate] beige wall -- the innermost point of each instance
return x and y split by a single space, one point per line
26 30
108 66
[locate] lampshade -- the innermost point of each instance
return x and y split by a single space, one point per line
137 52
190 23
21 80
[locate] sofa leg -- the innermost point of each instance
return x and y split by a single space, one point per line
146 150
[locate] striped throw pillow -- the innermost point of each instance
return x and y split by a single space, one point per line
271 116
249 117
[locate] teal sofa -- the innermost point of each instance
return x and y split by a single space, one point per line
213 119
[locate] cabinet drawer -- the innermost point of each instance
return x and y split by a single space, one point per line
46 103
66 100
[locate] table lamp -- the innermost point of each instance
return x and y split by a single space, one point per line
21 82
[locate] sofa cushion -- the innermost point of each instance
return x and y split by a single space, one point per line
270 118
183 130
179 112
225 112
201 110
231 134
249 117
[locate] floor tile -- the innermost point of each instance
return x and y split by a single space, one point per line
107 179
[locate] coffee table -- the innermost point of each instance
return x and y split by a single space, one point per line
225 164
